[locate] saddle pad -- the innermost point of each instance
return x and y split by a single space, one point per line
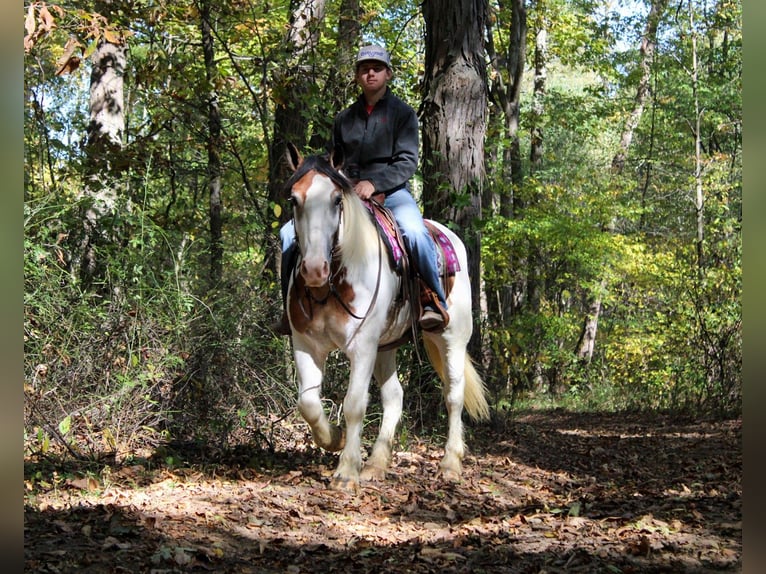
451 263
385 222
446 255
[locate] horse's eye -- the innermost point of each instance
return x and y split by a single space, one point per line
292 201
338 200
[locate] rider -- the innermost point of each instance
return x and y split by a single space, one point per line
378 134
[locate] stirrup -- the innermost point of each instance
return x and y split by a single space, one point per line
432 320
433 316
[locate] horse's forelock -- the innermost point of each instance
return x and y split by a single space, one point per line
320 164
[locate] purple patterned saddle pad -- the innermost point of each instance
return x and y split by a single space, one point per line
447 257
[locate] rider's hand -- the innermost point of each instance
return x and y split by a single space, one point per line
364 189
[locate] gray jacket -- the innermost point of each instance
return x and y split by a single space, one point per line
381 148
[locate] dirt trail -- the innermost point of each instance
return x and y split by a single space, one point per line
550 492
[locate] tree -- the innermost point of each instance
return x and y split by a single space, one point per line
507 57
213 137
294 90
454 120
587 341
104 140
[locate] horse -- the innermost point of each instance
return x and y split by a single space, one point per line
345 293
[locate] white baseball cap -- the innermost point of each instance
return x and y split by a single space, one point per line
374 53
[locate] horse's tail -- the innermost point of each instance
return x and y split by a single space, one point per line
475 396
475 393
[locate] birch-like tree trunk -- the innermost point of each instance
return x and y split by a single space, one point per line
534 266
587 341
648 43
103 150
292 84
699 197
538 93
505 92
214 145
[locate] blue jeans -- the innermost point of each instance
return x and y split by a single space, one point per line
417 239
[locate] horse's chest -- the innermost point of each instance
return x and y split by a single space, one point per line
313 311
334 312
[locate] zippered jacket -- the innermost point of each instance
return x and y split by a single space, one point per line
381 148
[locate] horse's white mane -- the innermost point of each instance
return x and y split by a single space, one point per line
359 236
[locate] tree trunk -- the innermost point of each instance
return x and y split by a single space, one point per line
648 43
107 107
534 267
699 197
502 301
587 343
293 83
454 122
507 95
103 150
213 147
538 95
340 88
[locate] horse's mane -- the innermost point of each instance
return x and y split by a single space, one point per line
359 235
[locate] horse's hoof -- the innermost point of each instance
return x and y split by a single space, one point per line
373 473
337 439
344 484
450 475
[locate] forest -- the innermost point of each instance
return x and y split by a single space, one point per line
588 152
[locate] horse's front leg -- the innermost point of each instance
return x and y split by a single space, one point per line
391 395
310 369
346 476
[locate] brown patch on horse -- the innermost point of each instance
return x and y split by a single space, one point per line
299 189
313 308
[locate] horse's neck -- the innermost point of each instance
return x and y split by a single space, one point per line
359 240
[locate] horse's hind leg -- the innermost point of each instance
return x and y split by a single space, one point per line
391 395
450 364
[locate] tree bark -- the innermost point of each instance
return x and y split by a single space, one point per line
534 264
454 122
648 43
340 88
293 83
214 145
538 95
699 197
107 107
506 93
103 152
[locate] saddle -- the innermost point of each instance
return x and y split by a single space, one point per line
447 261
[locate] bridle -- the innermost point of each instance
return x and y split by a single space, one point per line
335 261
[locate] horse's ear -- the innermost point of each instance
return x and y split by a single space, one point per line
294 157
337 157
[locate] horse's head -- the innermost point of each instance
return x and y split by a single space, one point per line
316 191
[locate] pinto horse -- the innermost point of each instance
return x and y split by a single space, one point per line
346 294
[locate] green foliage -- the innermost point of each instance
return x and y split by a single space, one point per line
151 352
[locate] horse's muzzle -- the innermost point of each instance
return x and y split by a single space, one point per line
315 273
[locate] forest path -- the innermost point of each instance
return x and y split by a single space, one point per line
549 492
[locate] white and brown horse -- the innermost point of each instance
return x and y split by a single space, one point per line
345 294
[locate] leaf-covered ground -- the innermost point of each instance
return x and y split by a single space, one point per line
549 492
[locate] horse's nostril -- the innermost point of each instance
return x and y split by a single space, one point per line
315 273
